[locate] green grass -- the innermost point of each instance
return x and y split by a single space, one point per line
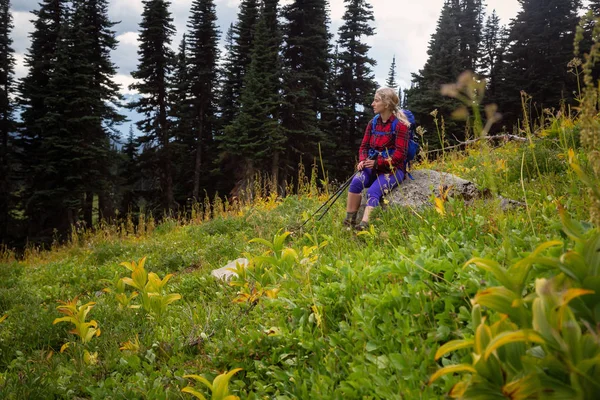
359 317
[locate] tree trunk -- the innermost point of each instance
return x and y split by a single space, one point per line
275 171
198 163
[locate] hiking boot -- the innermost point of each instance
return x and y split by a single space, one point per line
350 220
349 223
362 226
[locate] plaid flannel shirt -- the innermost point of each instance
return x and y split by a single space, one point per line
386 142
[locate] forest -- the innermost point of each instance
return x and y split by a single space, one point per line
283 97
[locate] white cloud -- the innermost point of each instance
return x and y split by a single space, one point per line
20 69
125 80
129 38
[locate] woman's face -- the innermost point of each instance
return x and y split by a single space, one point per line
377 104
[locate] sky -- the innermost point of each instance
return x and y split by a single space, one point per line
403 29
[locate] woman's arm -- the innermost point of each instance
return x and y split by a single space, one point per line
363 152
401 149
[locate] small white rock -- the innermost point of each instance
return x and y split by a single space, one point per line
226 273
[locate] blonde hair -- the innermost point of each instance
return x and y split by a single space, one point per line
389 97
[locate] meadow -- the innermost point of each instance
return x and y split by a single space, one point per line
131 311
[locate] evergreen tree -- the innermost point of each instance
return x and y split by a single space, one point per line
98 94
7 123
155 64
129 172
493 45
391 79
255 138
34 138
541 45
181 123
470 22
239 43
306 65
443 65
202 63
356 81
227 103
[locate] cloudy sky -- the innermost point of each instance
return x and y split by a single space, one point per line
403 29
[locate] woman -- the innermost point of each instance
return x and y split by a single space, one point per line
382 157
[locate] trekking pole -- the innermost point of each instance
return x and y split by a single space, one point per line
333 202
337 194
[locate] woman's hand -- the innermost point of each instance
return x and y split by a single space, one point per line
365 164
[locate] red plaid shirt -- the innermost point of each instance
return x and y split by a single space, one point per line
386 142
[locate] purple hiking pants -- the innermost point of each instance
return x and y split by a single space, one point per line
377 184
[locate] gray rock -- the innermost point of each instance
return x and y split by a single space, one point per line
226 273
417 193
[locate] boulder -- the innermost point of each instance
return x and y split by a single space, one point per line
417 193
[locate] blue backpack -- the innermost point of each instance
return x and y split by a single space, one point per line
413 146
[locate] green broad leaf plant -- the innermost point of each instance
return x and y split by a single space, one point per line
544 344
150 287
219 388
77 315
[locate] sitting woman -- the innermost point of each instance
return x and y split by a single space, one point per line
382 156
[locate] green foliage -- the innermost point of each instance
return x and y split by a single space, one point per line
77 315
219 387
150 286
542 342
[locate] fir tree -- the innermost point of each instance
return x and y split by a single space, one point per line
391 79
153 71
255 136
7 123
493 45
356 81
129 172
203 37
541 45
181 123
98 95
470 22
34 138
443 65
239 43
305 58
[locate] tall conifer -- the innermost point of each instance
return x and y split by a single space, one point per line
541 45
7 123
391 79
255 139
203 49
356 80
239 43
34 136
155 64
443 65
306 66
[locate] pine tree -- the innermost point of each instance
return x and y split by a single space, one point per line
255 138
470 22
129 172
203 39
155 65
239 43
34 139
493 45
356 81
181 123
305 63
391 79
541 45
7 123
443 65
97 98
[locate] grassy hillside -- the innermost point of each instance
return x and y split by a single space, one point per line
322 313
